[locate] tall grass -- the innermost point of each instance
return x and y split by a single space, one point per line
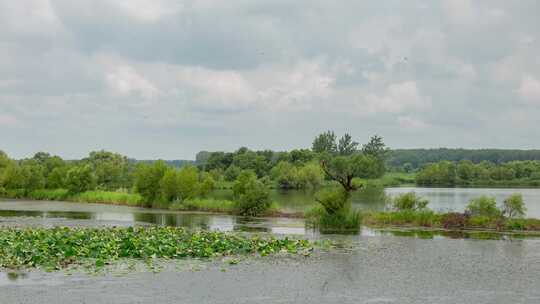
121 198
211 205
342 221
49 195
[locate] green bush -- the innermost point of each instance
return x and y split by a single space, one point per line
480 221
80 179
344 220
484 206
516 224
252 196
409 201
332 200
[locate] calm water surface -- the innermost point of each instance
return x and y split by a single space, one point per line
37 213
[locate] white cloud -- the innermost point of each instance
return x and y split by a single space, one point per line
398 97
125 80
33 17
147 10
408 122
9 121
529 90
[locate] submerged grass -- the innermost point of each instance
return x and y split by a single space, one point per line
56 248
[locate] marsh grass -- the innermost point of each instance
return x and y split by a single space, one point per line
119 198
342 221
207 204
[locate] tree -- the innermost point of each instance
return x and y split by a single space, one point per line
111 169
170 185
514 206
147 180
286 175
80 179
375 147
346 145
343 169
252 196
325 143
188 181
483 206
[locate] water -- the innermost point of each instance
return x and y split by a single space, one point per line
35 213
440 199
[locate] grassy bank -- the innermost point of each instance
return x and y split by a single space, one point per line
56 248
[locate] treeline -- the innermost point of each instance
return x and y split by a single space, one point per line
467 173
411 159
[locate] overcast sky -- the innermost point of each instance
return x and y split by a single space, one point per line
165 79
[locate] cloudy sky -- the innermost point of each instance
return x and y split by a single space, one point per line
165 79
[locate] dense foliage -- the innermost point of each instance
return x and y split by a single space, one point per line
411 159
466 173
55 248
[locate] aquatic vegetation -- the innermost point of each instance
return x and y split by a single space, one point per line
121 198
342 221
211 205
56 248
409 201
49 194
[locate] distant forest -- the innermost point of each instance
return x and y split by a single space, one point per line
417 158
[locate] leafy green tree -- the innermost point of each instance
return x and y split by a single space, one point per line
170 185
80 179
147 180
111 169
241 181
232 173
346 145
188 179
57 178
286 175
207 184
343 169
514 206
376 148
310 175
325 143
252 196
409 201
483 206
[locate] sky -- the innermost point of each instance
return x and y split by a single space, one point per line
165 79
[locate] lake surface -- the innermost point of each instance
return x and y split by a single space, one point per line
440 199
38 213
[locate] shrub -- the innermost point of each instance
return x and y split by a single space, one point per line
255 201
485 206
480 221
80 179
332 200
345 220
516 224
514 206
454 220
409 201
252 196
